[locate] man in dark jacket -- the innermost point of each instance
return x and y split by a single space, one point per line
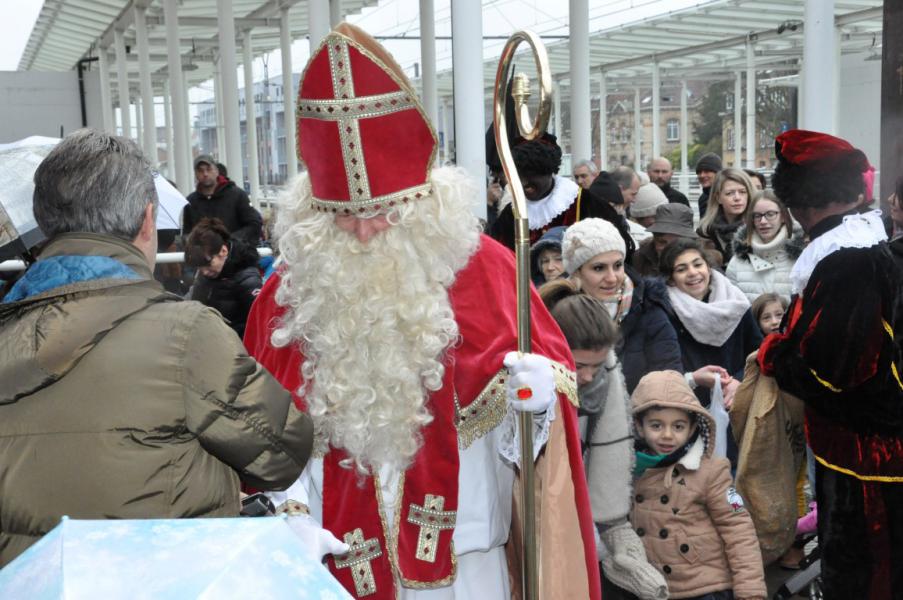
218 197
660 173
707 167
119 400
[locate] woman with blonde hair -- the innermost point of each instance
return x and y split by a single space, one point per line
727 207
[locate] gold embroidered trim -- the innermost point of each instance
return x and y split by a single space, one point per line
358 560
387 201
337 39
825 382
881 478
485 412
566 382
362 107
349 131
893 365
431 519
392 541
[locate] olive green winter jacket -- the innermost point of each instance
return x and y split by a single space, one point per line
118 400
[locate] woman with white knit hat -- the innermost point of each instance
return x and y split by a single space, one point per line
593 253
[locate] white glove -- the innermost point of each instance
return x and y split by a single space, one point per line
318 541
529 374
626 565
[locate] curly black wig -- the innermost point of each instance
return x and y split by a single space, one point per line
539 157
804 186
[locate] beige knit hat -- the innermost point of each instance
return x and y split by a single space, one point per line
648 198
587 238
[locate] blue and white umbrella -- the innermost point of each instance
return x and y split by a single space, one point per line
169 559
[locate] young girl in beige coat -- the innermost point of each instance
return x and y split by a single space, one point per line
685 509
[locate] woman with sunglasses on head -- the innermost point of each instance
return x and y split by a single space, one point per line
765 248
727 207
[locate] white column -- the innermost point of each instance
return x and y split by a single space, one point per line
189 127
139 130
103 65
335 12
170 138
318 22
603 122
446 131
684 139
819 89
637 131
247 64
122 83
149 126
738 120
751 144
288 95
581 119
556 112
181 157
428 58
656 112
467 61
229 77
218 112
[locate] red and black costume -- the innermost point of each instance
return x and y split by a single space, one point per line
839 352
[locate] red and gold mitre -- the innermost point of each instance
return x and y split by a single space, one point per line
362 132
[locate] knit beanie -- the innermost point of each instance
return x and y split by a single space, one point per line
709 162
587 238
648 198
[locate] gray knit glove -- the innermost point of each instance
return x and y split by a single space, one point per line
625 564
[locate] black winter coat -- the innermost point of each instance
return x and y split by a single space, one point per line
675 196
731 355
233 292
648 341
231 205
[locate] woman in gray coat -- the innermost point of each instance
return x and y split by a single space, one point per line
606 435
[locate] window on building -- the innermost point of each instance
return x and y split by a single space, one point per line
730 139
672 130
728 102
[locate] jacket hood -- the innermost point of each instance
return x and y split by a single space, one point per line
648 289
669 389
241 256
46 334
550 239
793 246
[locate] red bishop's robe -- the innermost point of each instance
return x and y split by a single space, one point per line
471 403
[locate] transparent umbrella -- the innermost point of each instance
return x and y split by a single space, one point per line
18 162
170 559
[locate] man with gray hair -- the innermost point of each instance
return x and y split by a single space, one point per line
118 399
584 173
660 173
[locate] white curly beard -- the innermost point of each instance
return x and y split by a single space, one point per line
373 320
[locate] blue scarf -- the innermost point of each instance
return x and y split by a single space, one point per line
58 271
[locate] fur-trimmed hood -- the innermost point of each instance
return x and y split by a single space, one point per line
793 245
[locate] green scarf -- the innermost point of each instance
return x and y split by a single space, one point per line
646 461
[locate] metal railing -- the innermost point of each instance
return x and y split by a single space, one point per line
163 258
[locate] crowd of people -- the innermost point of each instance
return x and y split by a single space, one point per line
702 388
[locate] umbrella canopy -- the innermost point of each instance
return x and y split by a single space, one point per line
18 162
171 559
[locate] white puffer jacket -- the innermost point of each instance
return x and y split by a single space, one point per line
760 268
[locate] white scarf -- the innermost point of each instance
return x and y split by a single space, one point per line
542 212
712 322
856 231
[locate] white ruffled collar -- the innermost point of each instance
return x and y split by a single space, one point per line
542 212
856 231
